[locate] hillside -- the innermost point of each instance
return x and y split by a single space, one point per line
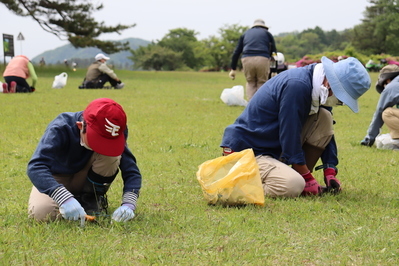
85 56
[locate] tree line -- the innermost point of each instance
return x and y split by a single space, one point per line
374 38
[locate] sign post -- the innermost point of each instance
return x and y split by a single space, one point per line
8 46
21 38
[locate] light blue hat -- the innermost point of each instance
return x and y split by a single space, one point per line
348 79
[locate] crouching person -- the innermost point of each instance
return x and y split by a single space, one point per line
288 130
77 159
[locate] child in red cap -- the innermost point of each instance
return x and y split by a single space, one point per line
77 159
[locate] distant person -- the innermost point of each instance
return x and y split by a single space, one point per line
77 159
42 62
99 73
17 71
66 63
257 47
388 86
287 127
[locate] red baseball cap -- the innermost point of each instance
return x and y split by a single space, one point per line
106 123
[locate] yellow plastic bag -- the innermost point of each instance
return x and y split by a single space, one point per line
232 179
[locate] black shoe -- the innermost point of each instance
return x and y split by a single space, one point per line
93 204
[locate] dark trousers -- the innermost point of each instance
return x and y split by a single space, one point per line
100 81
22 85
330 154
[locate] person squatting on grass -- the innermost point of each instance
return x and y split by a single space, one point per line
99 73
285 126
77 159
388 86
16 73
257 46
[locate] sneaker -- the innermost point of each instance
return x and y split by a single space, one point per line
5 88
13 87
120 85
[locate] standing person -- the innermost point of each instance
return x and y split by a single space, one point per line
287 129
77 159
99 73
388 86
16 73
42 62
256 46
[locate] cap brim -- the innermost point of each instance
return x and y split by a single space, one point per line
108 147
336 85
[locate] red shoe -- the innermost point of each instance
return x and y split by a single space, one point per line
13 87
5 88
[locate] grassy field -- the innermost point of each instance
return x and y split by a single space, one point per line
176 121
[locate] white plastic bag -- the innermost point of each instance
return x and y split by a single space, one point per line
234 96
385 142
60 81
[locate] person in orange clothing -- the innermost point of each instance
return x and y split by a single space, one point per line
16 73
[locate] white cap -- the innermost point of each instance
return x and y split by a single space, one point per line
101 56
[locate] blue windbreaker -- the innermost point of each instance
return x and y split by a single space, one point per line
272 122
59 152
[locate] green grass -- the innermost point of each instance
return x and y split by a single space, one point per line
176 121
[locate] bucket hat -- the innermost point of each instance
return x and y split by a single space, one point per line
106 123
387 72
261 23
348 79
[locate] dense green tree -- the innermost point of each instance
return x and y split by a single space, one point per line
183 40
336 40
217 55
71 20
220 49
379 31
319 32
310 42
156 57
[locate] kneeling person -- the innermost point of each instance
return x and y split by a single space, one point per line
288 130
77 159
99 73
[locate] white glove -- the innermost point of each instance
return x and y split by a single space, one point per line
232 74
72 210
123 213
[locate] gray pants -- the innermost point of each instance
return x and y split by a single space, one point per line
42 208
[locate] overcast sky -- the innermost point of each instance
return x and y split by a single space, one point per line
154 19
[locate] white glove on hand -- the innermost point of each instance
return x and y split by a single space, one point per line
123 213
72 210
232 74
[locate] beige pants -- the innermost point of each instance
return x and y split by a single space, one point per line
42 208
391 119
279 179
256 71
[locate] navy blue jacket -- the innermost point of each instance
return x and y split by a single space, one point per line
272 122
59 152
256 41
